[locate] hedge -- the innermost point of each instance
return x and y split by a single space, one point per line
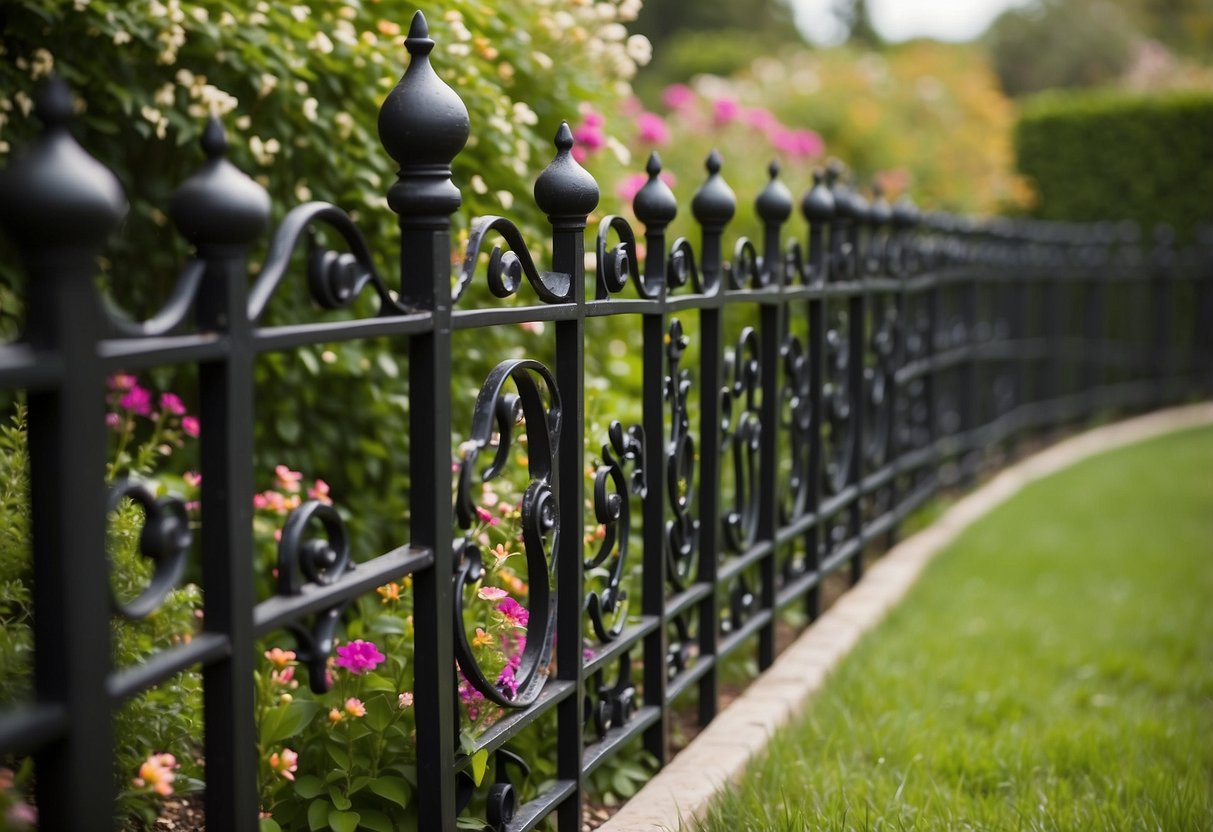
1113 155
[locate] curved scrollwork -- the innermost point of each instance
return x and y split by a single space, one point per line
796 408
608 608
304 558
507 267
836 404
880 382
742 436
334 279
682 533
746 266
165 540
681 268
497 412
616 264
680 648
743 603
609 705
501 802
173 314
796 267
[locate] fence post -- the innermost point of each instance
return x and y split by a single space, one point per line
59 205
423 125
713 206
567 193
221 212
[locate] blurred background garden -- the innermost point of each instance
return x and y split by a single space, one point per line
1059 109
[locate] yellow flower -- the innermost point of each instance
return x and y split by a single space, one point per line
482 639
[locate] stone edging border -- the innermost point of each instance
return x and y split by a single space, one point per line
680 793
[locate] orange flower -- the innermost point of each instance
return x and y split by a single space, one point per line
156 774
280 658
354 707
286 763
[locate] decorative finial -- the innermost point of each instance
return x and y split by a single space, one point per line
654 204
714 203
423 124
774 203
905 213
818 203
565 190
56 194
219 205
880 213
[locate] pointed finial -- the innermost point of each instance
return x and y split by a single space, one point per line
774 203
818 203
423 124
654 204
56 194
714 203
219 205
565 190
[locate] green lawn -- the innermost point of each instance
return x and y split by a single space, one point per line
1052 670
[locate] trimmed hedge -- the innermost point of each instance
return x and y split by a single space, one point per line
1111 155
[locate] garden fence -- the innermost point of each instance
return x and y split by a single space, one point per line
887 355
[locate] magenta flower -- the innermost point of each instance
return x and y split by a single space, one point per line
113 421
724 111
760 118
171 403
589 139
359 657
514 613
630 185
137 400
651 128
190 425
320 491
678 96
507 682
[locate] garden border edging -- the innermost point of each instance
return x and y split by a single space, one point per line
680 793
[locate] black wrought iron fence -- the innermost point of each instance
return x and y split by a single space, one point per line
890 353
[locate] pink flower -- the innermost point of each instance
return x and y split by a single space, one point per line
171 403
288 480
651 128
113 421
724 111
355 707
486 516
507 682
280 658
137 400
282 678
190 425
514 613
120 381
320 491
193 479
591 118
359 657
405 700
760 118
629 186
156 774
285 764
492 593
589 139
678 96
801 144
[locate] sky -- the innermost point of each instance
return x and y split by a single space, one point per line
897 20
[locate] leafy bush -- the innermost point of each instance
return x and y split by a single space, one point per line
1108 155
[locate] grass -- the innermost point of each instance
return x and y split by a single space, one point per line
1052 670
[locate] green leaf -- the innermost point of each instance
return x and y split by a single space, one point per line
375 682
270 825
318 814
339 755
376 821
339 799
344 821
393 789
287 720
480 761
309 786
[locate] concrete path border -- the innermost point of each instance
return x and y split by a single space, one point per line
681 792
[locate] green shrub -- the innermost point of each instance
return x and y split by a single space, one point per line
1109 155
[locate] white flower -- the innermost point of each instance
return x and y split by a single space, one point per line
639 49
321 43
43 63
543 60
524 114
300 13
309 109
121 36
478 185
304 194
268 84
506 198
166 95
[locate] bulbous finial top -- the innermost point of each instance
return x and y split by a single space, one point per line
774 202
714 203
422 120
845 206
654 204
219 205
565 189
56 194
818 203
906 213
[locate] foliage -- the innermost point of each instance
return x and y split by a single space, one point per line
1060 43
1109 155
165 717
1051 670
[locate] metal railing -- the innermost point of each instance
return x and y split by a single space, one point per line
889 355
